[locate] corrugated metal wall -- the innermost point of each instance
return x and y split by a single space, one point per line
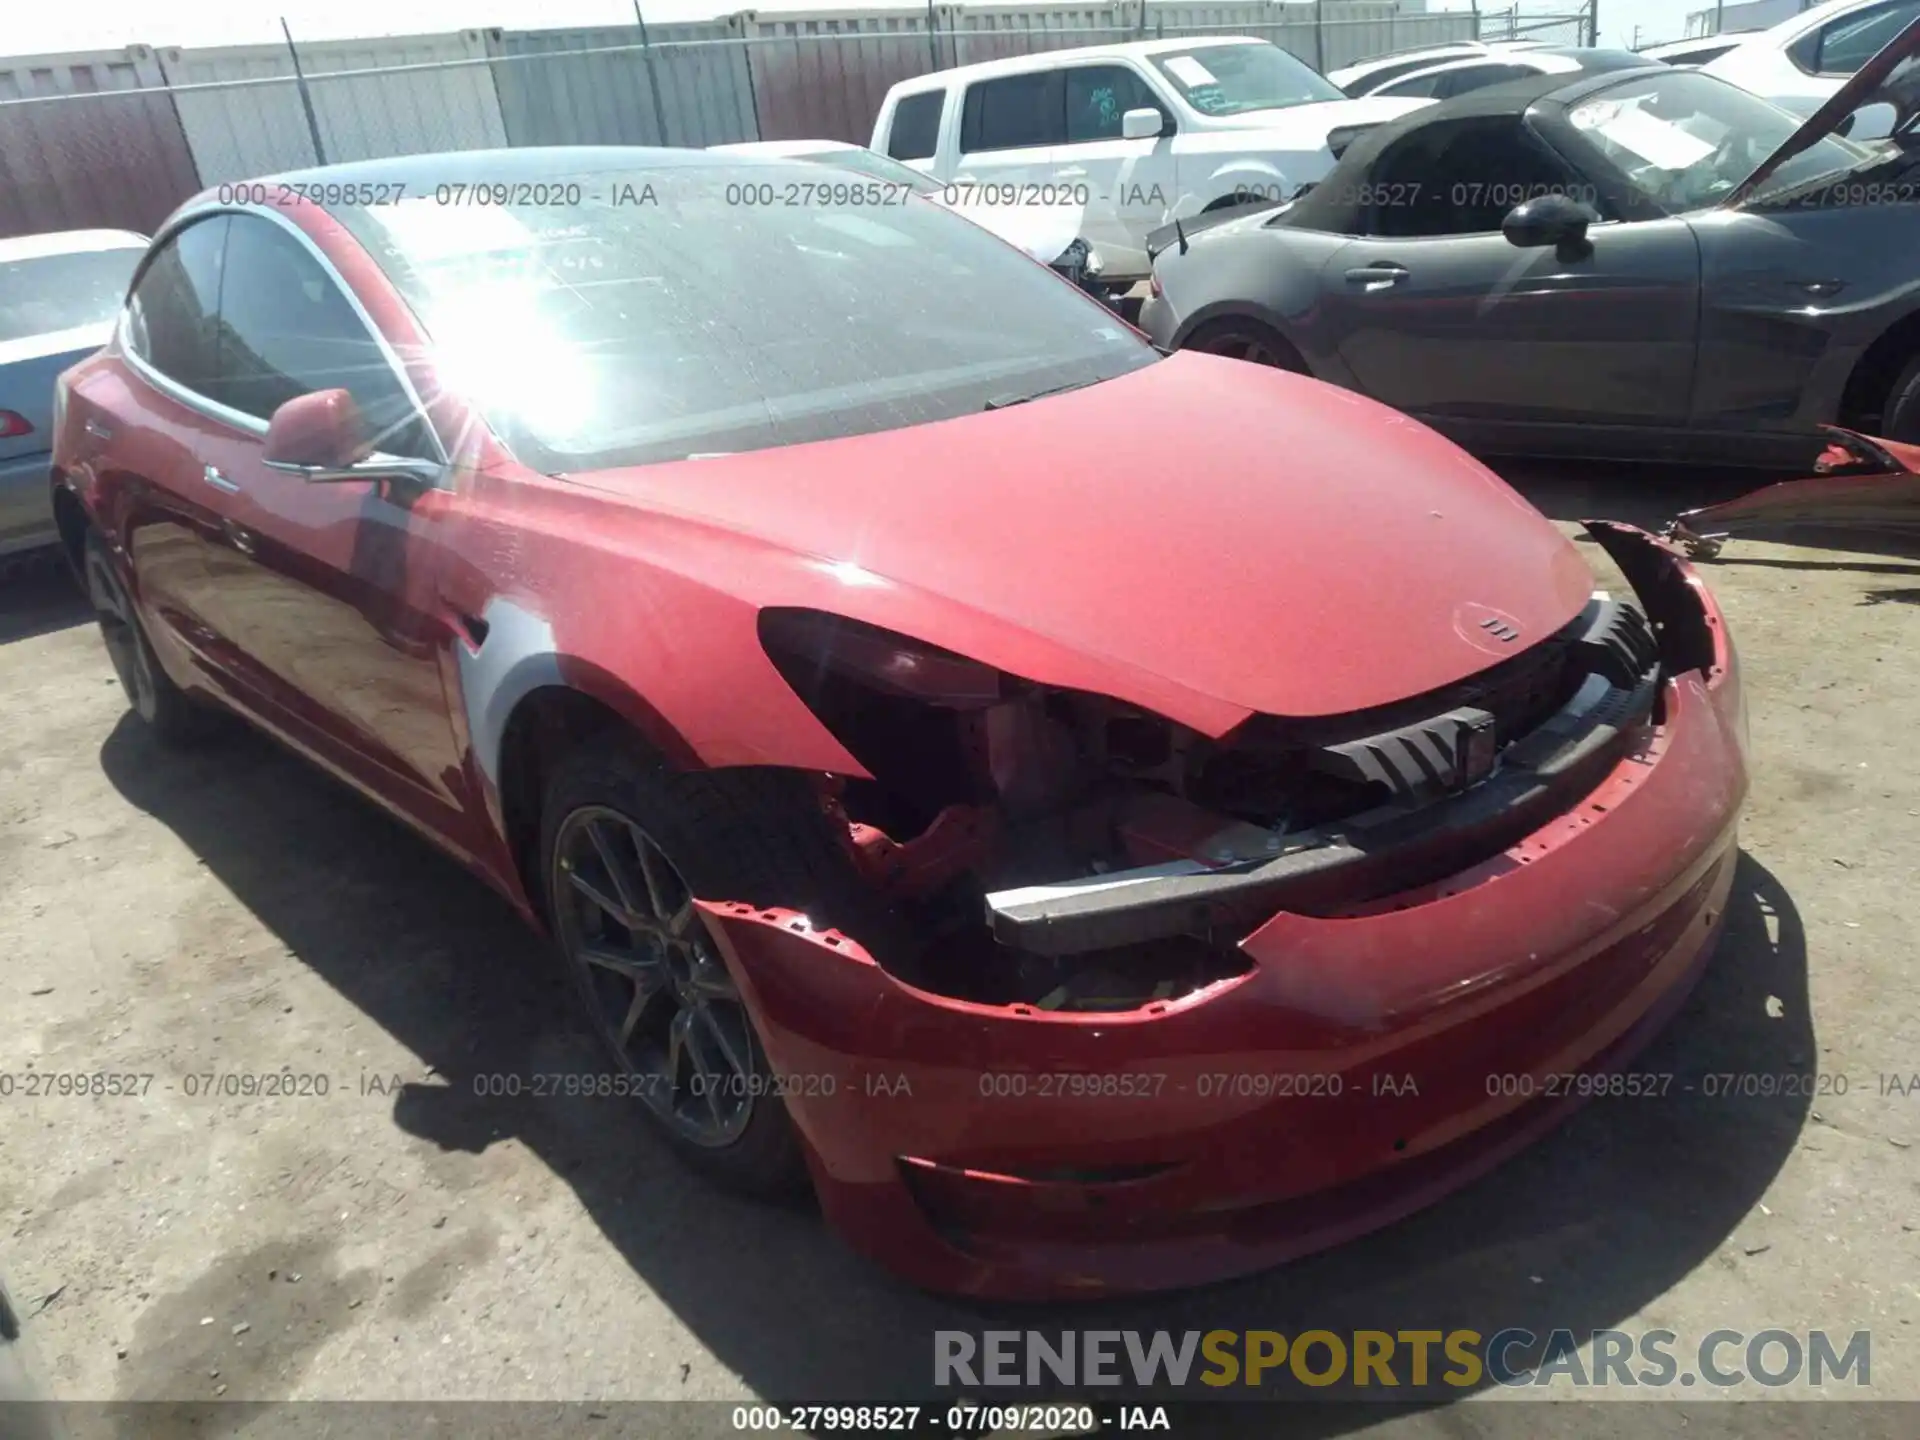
116 163
808 86
677 92
993 32
247 130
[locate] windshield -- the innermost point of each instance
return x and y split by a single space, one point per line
676 312
866 162
47 293
1688 141
1233 79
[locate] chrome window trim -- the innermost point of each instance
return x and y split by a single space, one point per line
226 414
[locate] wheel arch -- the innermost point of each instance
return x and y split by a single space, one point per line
1230 311
1870 385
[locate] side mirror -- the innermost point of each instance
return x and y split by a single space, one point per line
1545 220
321 437
318 431
1144 123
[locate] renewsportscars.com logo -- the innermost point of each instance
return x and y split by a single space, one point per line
1395 1362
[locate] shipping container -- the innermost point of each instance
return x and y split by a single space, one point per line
241 130
687 85
823 74
119 161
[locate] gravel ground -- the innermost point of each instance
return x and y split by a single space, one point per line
400 1237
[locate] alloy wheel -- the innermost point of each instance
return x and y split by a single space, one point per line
655 985
1238 345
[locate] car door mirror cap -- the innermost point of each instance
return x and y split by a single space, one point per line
321 430
1144 123
1558 220
321 437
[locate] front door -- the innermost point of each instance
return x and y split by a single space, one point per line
1441 316
332 591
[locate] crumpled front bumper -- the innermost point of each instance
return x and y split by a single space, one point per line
1363 1066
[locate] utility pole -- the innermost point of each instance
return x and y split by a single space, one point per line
1593 22
1720 15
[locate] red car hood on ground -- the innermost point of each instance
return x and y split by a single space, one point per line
1202 537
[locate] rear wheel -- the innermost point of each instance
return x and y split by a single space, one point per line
626 843
1902 418
167 709
1249 340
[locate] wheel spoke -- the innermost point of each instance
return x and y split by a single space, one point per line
654 870
729 1050
645 971
602 901
709 976
615 870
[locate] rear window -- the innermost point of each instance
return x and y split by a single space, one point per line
680 312
1238 79
916 126
48 293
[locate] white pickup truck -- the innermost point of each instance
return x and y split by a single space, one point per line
1135 134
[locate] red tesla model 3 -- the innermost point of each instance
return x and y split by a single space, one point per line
1106 820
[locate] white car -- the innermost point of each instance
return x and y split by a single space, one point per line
1801 63
1368 76
59 296
1476 72
1691 54
1133 134
1046 233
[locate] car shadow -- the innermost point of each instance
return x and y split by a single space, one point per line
38 598
1585 1229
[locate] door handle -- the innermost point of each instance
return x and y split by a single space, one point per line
1383 276
97 430
1071 172
214 478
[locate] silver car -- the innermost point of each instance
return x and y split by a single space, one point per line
1647 264
59 295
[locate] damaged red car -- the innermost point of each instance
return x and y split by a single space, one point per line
1106 820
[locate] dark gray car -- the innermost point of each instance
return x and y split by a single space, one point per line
1650 264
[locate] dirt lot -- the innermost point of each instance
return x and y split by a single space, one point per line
402 1237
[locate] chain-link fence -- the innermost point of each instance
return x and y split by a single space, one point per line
118 140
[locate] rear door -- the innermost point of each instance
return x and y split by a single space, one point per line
1010 130
331 587
1439 315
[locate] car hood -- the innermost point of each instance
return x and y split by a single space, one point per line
1202 537
1320 118
1890 77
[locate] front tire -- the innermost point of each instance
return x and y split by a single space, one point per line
167 710
626 843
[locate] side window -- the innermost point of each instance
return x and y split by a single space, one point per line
1370 84
171 312
1477 77
1845 45
1016 112
286 330
1098 95
1461 178
916 126
1414 87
